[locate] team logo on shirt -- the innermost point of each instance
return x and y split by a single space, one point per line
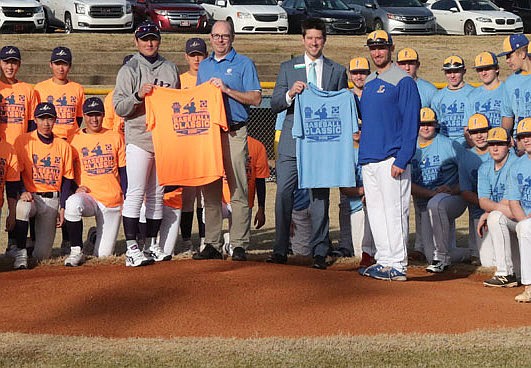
98 160
524 184
491 108
381 89
10 111
453 116
46 170
323 124
66 110
191 119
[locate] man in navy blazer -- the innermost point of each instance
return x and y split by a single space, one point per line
292 78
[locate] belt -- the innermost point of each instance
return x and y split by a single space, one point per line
237 126
47 194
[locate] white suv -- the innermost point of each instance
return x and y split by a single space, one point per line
21 16
249 16
93 15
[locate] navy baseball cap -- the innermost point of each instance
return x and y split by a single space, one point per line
45 109
93 105
10 53
512 43
61 53
146 29
196 46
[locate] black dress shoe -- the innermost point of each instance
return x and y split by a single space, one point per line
319 262
277 258
209 252
238 254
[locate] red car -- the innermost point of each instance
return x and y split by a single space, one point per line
173 15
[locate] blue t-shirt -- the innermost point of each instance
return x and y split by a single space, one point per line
435 165
520 183
426 92
469 165
517 97
237 72
486 102
492 183
323 124
355 202
450 107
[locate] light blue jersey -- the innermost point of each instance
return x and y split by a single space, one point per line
520 183
469 164
486 102
435 165
281 116
450 109
492 183
426 92
517 97
324 122
355 202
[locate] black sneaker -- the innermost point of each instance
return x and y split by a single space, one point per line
502 281
277 258
209 252
238 254
319 262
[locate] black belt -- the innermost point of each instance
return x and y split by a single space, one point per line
237 126
46 194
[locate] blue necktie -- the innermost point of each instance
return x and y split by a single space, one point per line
312 74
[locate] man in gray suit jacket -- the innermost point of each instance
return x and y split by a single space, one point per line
292 78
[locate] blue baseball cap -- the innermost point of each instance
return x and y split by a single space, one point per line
513 42
45 109
93 105
10 53
61 53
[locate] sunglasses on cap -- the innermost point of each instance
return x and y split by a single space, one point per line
147 28
454 65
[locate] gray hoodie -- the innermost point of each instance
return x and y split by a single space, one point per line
130 78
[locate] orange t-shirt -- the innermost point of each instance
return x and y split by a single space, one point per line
68 101
8 167
42 166
97 158
186 133
188 80
256 167
111 120
17 104
174 199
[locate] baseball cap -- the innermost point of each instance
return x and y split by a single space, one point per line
45 109
427 115
513 42
407 54
147 28
498 134
61 53
453 62
524 127
485 59
195 46
359 63
93 105
10 52
478 122
379 37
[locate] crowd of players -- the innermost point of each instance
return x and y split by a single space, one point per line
473 151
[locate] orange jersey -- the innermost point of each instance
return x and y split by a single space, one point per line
188 80
112 121
97 158
174 199
186 132
42 166
68 101
17 104
8 167
256 167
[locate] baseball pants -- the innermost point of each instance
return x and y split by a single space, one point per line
484 246
45 212
169 228
502 231
387 201
302 232
523 231
361 233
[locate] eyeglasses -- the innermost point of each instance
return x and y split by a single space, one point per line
217 36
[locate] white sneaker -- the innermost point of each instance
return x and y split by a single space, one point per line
156 253
135 258
21 259
76 257
437 267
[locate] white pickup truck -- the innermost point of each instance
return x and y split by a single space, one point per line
93 15
21 16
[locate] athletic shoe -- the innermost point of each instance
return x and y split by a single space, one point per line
277 258
387 273
135 258
437 267
474 261
525 297
340 253
209 252
319 262
76 257
238 254
156 253
502 281
21 259
366 271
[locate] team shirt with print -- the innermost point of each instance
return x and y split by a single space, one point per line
520 183
17 103
486 102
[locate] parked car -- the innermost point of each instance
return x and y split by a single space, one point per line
522 8
21 16
249 16
338 17
51 23
93 15
395 16
471 17
173 15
